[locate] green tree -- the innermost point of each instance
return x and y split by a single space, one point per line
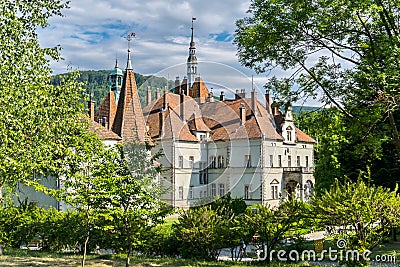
269 226
336 154
367 213
41 126
343 52
129 195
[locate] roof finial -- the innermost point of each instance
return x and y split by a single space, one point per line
116 61
129 37
192 39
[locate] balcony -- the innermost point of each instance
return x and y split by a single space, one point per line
299 169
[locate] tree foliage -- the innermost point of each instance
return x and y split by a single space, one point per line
96 83
336 154
272 225
119 189
203 231
41 125
345 53
365 213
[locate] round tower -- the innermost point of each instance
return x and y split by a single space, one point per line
115 80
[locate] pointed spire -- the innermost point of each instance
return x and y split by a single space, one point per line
128 63
192 39
129 37
129 121
192 60
116 62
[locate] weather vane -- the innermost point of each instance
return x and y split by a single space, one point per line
129 37
193 19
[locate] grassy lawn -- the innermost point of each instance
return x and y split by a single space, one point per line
22 258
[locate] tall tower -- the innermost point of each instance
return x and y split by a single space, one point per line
192 61
115 80
129 121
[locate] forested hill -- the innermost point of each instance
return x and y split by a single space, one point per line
95 82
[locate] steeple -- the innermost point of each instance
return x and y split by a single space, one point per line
192 60
129 121
129 38
115 80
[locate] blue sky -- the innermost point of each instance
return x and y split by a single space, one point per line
91 35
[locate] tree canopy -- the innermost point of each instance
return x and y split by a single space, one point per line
41 126
345 53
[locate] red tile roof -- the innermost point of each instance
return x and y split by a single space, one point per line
102 132
107 109
129 121
303 137
197 124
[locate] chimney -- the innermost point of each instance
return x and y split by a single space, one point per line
242 114
158 93
161 121
91 108
104 122
177 85
222 96
148 99
182 106
274 109
237 94
243 93
165 100
268 101
210 97
254 101
185 86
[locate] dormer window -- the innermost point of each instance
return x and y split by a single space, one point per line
289 134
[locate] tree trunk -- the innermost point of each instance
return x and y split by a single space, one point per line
128 256
1 249
85 250
87 239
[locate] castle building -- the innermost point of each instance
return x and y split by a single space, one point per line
212 146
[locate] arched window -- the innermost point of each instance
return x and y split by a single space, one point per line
275 189
289 133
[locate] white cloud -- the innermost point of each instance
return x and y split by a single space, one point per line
91 35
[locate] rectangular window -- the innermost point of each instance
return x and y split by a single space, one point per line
212 162
191 161
180 193
202 137
221 190
280 160
220 161
289 161
191 192
271 160
180 162
274 191
213 190
247 161
247 192
201 194
289 135
298 161
307 161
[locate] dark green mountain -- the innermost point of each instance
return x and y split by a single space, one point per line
95 83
